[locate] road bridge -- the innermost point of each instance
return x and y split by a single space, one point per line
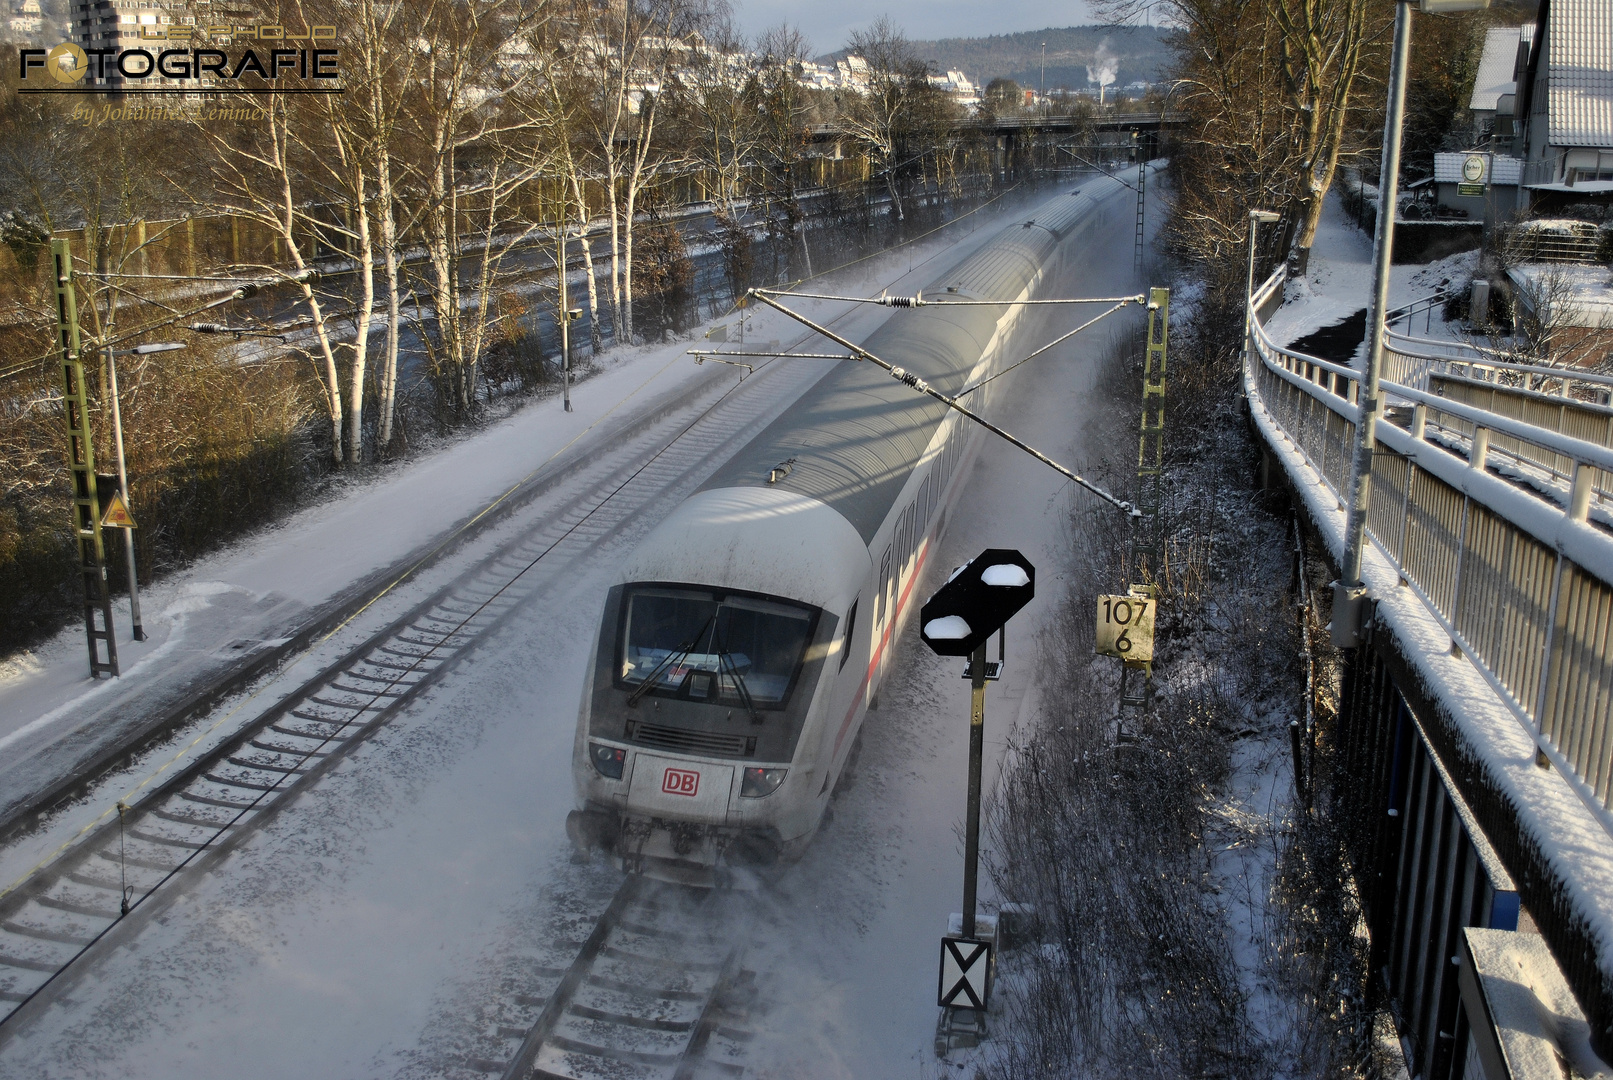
1474 743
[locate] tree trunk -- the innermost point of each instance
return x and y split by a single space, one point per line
595 339
366 315
389 251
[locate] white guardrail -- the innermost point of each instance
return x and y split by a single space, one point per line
1513 566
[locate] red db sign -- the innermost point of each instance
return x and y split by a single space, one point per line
680 782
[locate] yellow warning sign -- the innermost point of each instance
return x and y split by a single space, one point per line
117 514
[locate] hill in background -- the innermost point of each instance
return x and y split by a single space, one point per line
1077 56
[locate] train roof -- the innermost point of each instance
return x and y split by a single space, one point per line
857 435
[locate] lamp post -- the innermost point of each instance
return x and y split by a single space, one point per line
123 472
1256 218
1349 591
1044 73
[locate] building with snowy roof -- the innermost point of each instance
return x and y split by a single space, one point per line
1495 87
1565 106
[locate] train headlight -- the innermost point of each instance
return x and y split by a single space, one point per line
760 782
608 760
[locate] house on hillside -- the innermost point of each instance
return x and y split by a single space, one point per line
1565 108
1495 88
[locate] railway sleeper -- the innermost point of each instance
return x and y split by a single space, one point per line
291 751
675 963
348 707
135 860
419 658
391 675
189 819
637 990
386 664
461 607
611 1053
104 884
648 1023
435 645
245 785
208 800
24 964
387 691
42 933
265 766
651 931
170 841
333 727
75 908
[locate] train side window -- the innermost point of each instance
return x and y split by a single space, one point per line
845 642
884 576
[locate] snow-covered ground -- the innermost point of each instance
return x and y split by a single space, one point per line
1339 283
366 532
360 930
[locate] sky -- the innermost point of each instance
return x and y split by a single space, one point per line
827 23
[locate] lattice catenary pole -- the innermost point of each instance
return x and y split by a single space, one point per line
81 467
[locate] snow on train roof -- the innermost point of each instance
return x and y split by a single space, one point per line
858 434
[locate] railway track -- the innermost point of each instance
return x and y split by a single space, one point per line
120 874
657 991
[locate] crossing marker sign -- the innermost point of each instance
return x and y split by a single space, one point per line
965 973
117 514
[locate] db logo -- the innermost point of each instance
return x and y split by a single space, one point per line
680 782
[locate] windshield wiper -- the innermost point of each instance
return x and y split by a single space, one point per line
726 657
672 658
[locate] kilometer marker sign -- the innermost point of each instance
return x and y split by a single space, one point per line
1126 627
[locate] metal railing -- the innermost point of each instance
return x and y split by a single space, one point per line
1424 307
1520 579
1411 360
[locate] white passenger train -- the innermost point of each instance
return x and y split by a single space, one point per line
740 648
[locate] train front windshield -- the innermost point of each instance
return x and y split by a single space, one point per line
687 643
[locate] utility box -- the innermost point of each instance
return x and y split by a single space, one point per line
1478 303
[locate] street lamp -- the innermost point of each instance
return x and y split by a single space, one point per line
123 473
1256 218
1349 591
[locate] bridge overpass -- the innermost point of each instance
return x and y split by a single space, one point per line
1474 741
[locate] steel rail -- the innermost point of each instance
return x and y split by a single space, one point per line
653 1011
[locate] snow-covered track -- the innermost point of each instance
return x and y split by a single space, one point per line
121 873
656 992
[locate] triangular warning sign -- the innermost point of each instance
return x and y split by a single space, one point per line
117 513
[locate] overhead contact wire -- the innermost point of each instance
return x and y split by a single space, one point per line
909 379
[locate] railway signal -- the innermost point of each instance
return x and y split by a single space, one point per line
976 602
